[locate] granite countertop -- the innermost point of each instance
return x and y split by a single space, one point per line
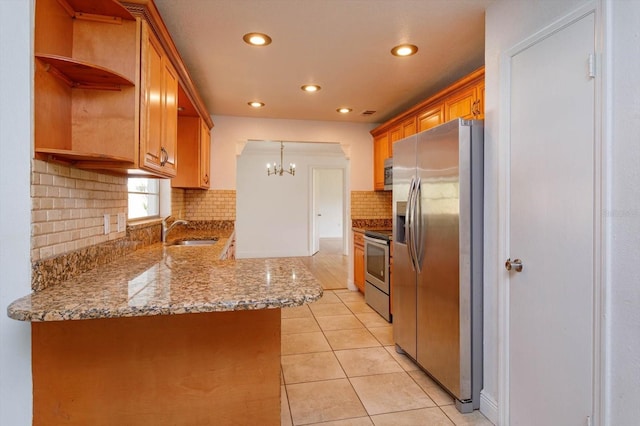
166 280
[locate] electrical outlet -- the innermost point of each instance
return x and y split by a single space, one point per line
122 222
107 223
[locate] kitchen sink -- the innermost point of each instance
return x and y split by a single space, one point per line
207 242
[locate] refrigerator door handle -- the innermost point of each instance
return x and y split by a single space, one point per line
409 224
417 234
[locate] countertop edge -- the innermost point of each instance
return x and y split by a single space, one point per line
78 313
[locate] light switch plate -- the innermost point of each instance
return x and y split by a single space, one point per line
122 222
106 223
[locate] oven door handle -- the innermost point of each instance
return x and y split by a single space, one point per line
376 241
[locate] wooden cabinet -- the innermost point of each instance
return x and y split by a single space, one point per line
193 151
480 102
409 127
85 82
381 152
391 277
159 107
463 104
106 87
358 260
464 98
431 117
395 134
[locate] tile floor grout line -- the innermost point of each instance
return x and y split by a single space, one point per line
353 302
342 367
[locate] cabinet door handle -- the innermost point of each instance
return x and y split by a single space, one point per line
475 108
164 156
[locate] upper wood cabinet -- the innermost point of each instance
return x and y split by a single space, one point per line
194 141
480 102
462 99
381 151
395 134
105 87
431 117
159 110
408 127
463 104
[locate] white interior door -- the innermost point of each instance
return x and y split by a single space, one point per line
551 229
327 205
315 211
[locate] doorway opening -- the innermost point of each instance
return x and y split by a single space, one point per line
327 210
275 214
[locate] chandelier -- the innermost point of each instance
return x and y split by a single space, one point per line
277 169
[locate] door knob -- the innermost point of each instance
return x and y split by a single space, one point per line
515 264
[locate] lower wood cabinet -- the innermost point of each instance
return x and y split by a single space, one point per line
358 260
391 278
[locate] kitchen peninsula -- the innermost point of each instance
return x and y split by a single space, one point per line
166 335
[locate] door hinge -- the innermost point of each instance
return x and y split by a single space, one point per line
588 420
592 65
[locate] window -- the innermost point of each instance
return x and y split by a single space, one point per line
144 198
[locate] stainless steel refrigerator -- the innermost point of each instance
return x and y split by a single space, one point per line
437 260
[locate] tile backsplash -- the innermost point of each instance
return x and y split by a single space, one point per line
214 204
68 207
371 205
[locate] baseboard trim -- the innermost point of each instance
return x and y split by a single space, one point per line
351 286
489 407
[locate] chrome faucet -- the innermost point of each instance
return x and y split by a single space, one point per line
166 229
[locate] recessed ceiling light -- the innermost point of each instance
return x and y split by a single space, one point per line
404 50
344 110
255 104
310 87
256 39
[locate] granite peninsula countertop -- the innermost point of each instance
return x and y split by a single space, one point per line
167 280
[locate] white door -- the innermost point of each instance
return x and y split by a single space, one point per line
327 205
315 211
551 229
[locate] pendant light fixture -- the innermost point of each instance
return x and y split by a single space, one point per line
277 168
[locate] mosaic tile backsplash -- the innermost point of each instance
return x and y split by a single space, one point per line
371 205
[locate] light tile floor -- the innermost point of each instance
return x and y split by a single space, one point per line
339 367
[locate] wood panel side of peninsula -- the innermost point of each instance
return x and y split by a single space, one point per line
206 368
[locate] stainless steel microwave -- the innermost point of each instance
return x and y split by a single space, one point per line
388 174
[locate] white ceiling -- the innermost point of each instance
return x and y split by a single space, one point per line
342 45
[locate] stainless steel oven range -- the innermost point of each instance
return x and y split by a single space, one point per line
376 265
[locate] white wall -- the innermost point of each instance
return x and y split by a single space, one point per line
273 212
229 131
623 216
507 23
16 19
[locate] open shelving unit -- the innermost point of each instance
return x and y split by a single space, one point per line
85 82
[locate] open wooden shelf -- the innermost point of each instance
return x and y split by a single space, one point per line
71 157
83 75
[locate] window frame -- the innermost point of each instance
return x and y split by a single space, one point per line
156 193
